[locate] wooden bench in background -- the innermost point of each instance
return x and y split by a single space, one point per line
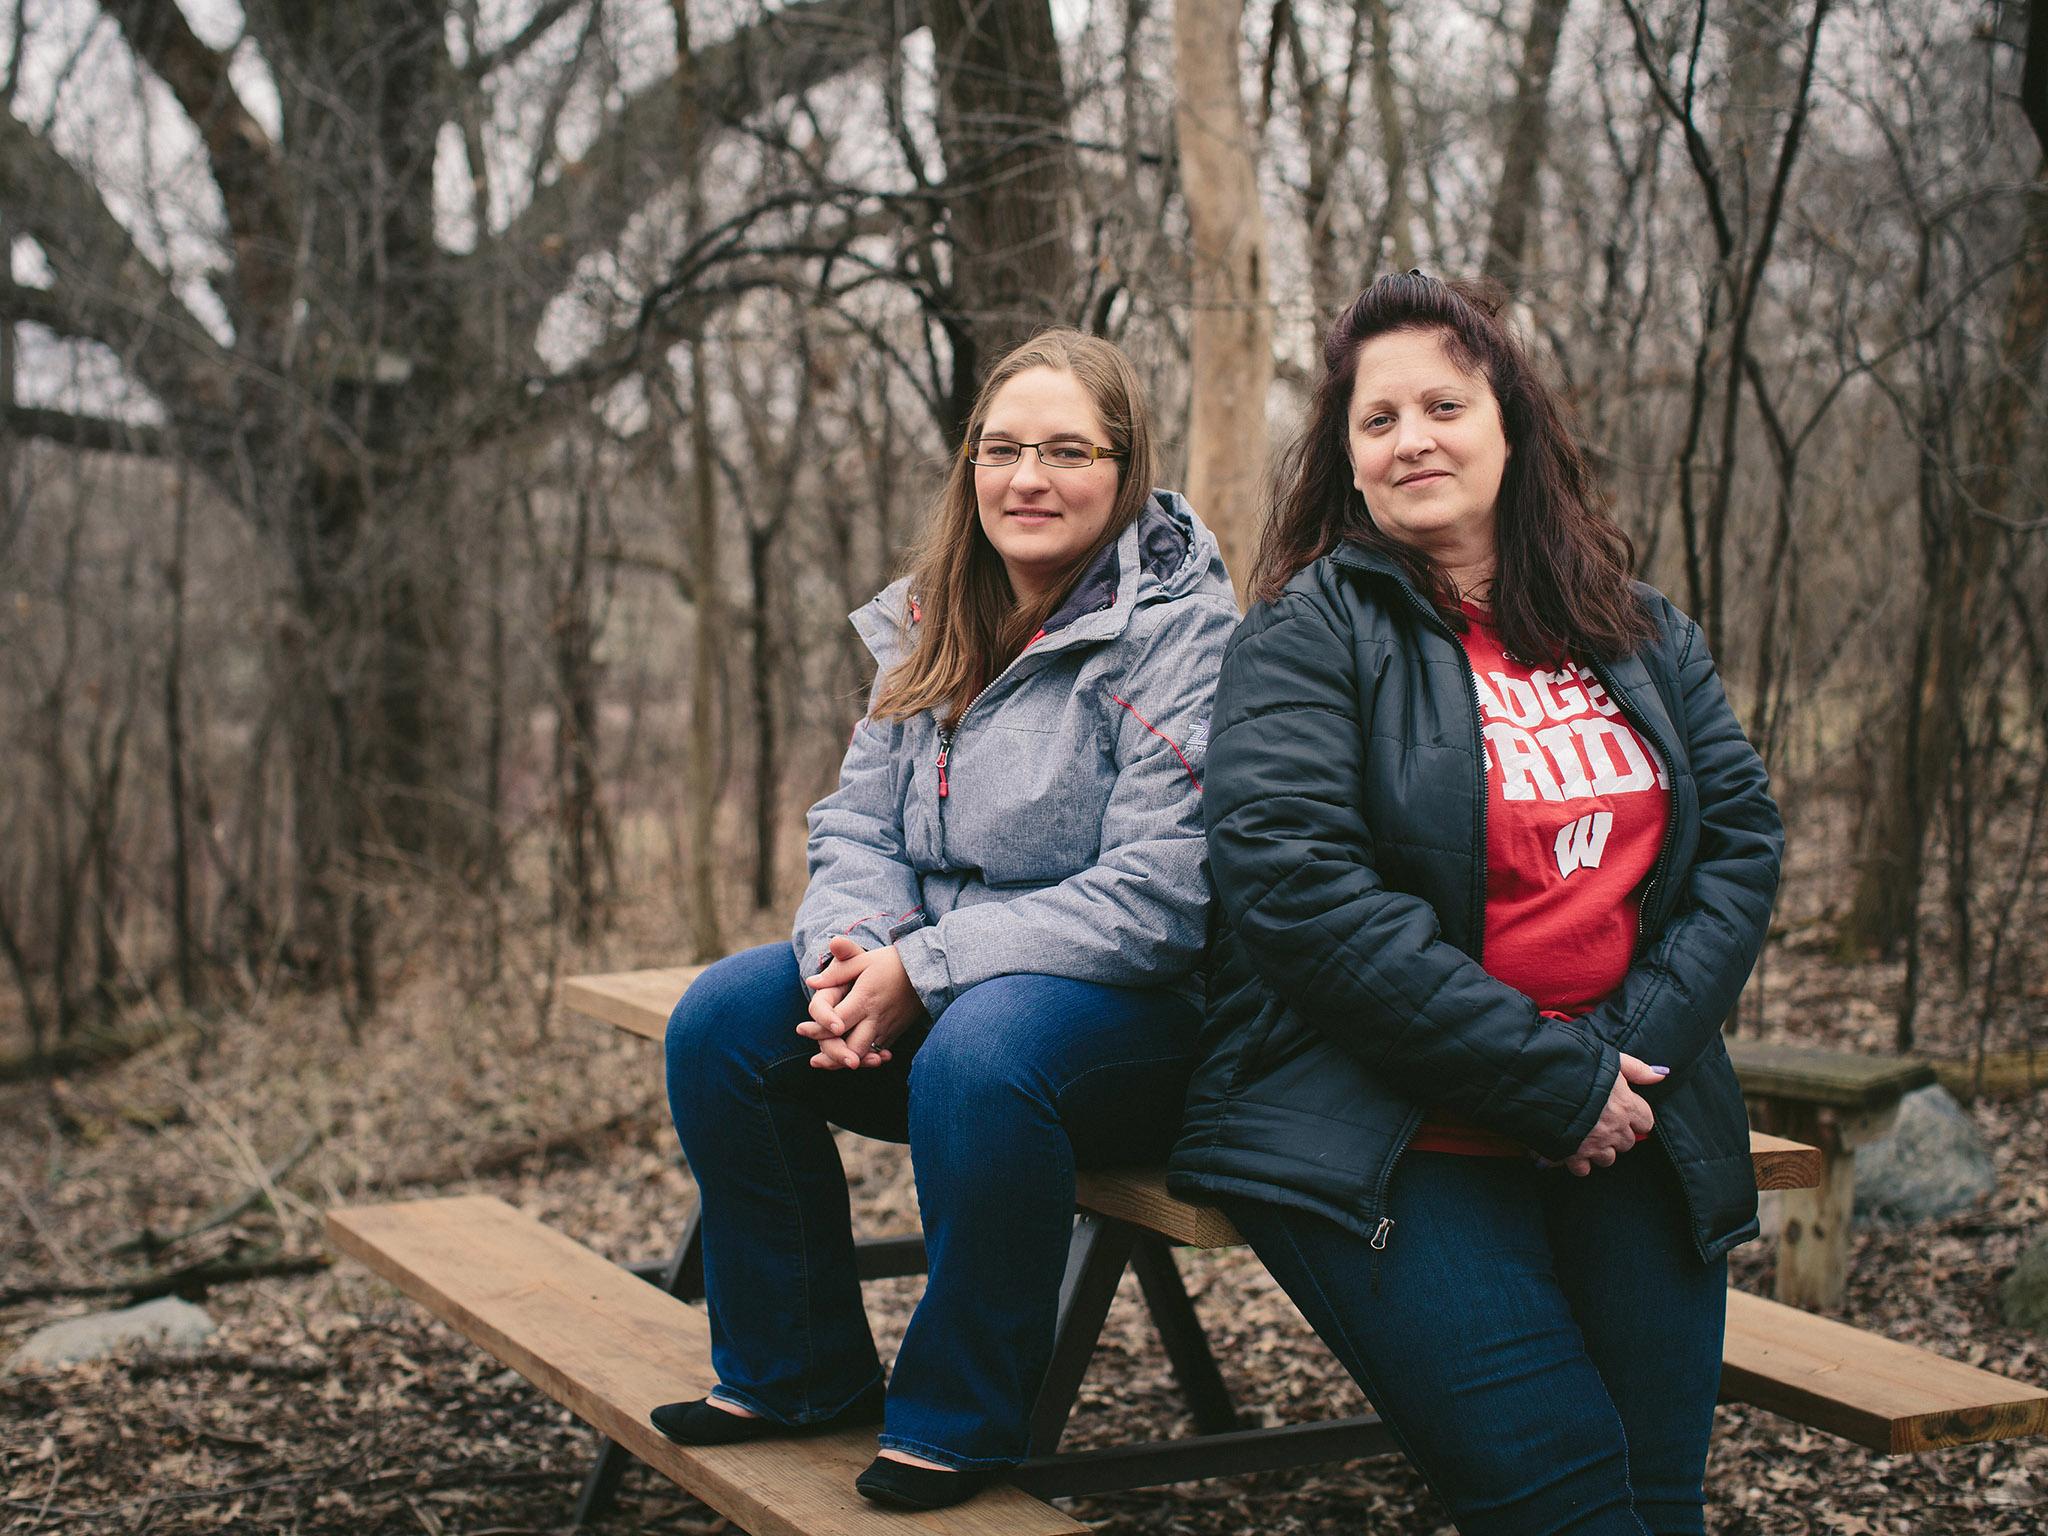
1836 1101
596 1339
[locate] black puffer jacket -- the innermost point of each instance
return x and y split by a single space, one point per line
1345 803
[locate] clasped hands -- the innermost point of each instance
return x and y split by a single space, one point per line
1625 1119
860 1001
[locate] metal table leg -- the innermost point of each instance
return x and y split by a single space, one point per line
1187 1347
1096 1255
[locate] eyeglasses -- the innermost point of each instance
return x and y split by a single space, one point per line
1001 453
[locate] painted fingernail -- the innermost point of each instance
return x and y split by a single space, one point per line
1661 1071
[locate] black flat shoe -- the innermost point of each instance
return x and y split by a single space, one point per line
698 1423
899 1485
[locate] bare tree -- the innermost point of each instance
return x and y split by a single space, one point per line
1231 366
1526 133
1010 181
351 377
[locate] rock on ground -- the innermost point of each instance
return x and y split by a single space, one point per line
166 1323
1934 1163
2023 1298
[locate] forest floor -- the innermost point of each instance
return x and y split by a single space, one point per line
328 1404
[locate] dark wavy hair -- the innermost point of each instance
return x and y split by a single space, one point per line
1562 584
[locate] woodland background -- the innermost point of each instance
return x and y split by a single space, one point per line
440 439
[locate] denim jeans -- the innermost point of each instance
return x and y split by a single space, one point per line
1546 1349
1020 1081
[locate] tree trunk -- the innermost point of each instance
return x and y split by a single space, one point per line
492 856
580 833
1397 219
1231 367
767 723
1517 198
1011 182
707 942
184 947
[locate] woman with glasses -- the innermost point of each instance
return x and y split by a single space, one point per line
995 957
1493 861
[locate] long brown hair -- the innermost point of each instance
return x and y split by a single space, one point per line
970 626
1562 585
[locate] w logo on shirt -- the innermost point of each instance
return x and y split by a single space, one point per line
1580 844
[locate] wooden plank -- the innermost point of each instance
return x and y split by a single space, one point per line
638 1002
1876 1391
1782 1163
609 1347
1138 1195
1835 1079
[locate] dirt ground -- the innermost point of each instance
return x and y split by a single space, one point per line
327 1404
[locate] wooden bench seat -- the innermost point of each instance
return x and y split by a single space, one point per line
1864 1387
608 1347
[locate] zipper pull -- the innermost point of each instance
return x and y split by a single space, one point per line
945 746
1379 1234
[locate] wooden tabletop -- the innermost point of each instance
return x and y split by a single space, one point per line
640 1002
1799 1074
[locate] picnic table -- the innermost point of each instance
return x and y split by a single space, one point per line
597 1339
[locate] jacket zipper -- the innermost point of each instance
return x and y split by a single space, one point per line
1383 1233
1477 911
946 735
1642 723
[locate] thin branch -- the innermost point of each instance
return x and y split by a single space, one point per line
516 45
1681 113
101 434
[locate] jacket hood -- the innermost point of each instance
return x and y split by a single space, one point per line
1172 552
1167 554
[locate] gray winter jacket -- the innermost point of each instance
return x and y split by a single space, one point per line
1058 831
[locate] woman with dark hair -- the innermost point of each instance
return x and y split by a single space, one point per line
1493 861
995 957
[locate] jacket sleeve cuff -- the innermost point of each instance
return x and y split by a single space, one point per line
1588 1114
924 962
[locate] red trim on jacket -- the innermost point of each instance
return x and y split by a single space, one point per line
1192 777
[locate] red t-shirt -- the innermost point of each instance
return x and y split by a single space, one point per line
1576 806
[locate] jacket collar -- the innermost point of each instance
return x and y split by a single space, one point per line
1372 562
1629 674
1167 553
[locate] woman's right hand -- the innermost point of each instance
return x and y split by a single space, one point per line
1624 1120
860 1001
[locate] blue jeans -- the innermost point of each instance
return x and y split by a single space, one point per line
1022 1079
1546 1349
